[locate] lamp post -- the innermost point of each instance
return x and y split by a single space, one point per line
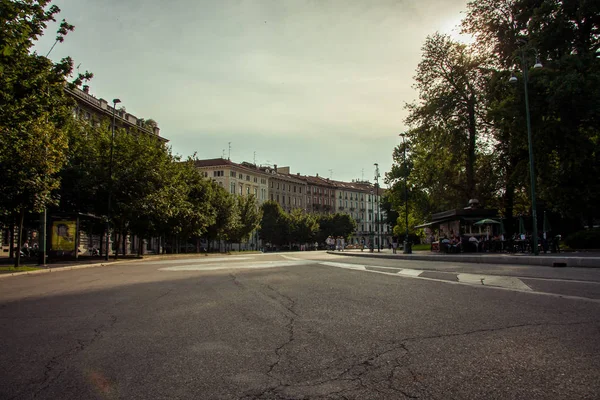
377 216
110 167
513 79
407 248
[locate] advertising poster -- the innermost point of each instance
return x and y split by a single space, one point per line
63 235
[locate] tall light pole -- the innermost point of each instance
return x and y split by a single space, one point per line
378 215
406 248
110 167
513 79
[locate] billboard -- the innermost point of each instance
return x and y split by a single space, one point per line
63 235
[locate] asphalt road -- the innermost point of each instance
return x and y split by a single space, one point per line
301 326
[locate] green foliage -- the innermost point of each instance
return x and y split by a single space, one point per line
335 225
303 226
247 219
275 224
586 239
224 206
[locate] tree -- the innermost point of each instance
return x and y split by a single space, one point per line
448 120
249 216
274 225
335 225
303 226
34 110
224 206
563 96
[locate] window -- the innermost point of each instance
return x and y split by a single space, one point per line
241 176
263 181
256 193
300 189
294 188
205 174
241 189
289 188
232 188
255 179
248 190
320 200
248 178
271 196
278 198
271 186
294 198
300 202
289 200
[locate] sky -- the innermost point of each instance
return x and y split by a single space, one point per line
317 85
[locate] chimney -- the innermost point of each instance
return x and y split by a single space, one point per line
86 89
275 167
317 174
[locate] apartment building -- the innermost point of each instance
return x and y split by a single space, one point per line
286 189
361 201
95 110
320 195
238 179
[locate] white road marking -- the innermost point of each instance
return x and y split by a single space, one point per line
204 260
509 282
344 265
254 265
468 280
410 272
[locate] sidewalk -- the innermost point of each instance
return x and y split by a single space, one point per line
574 259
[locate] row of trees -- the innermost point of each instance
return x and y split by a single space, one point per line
467 134
51 160
279 228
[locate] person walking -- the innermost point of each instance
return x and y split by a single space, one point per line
394 245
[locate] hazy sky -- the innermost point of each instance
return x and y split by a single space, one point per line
314 84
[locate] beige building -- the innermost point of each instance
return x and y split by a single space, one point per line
238 179
286 189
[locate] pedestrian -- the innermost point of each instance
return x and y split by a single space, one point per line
394 245
343 243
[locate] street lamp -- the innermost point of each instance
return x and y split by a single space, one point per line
407 248
110 167
378 216
513 79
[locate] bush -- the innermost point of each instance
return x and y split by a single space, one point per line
587 239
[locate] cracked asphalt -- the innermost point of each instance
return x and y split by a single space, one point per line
288 327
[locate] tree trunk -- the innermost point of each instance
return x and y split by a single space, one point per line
11 239
20 238
472 146
124 243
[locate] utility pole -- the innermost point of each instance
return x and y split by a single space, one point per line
378 215
110 168
407 248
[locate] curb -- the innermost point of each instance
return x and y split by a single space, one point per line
572 262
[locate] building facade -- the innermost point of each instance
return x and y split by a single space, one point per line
286 189
320 195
